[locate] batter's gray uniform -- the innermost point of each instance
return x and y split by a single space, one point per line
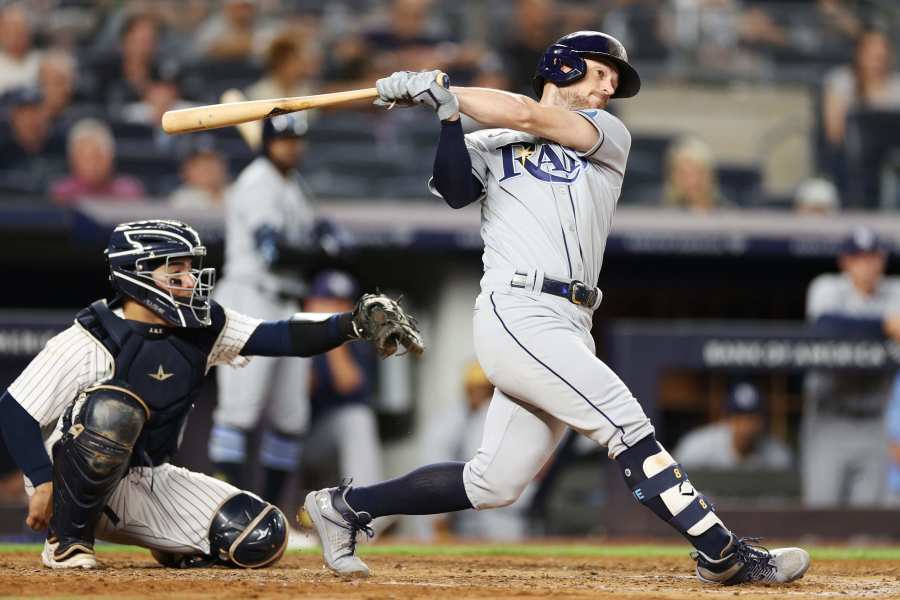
546 211
262 198
163 507
843 439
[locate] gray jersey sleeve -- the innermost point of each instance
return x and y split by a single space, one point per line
824 295
613 140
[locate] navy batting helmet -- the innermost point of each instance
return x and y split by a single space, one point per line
135 249
571 50
283 126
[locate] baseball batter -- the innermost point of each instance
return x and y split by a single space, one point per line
95 418
269 229
548 178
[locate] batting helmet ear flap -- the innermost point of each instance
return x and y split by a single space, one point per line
571 50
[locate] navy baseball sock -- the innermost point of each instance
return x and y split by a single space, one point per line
711 542
429 490
274 481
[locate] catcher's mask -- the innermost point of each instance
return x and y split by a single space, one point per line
137 248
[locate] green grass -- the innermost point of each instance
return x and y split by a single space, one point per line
539 550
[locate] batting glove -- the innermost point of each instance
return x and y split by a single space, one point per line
392 89
432 88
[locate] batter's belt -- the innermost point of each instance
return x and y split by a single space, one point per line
575 291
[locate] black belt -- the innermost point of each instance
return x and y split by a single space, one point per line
576 292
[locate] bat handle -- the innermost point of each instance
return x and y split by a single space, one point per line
442 79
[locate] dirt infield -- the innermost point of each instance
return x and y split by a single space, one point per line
135 575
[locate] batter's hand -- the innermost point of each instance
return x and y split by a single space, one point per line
432 88
392 89
891 326
40 507
382 321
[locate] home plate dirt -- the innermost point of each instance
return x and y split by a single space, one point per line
136 575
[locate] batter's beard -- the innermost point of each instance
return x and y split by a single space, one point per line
575 101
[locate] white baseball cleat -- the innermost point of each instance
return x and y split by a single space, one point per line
748 563
327 512
75 556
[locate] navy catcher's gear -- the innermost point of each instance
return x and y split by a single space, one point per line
163 365
282 126
91 458
247 533
135 249
571 50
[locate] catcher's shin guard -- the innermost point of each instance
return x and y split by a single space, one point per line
247 533
90 459
662 485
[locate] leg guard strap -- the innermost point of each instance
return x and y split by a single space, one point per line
662 481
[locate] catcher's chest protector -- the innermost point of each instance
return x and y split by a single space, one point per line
163 365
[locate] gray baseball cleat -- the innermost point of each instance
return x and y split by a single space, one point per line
76 556
746 563
327 512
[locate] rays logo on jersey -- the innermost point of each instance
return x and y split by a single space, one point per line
546 162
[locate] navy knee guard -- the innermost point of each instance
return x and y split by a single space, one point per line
248 533
667 491
91 457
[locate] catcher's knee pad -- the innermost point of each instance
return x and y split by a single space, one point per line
91 458
248 533
661 484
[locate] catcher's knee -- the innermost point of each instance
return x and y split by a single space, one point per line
247 532
662 485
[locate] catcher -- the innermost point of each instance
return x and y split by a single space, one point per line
108 399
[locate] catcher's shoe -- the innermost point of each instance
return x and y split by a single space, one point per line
76 556
327 512
747 563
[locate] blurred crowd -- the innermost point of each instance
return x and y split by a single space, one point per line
83 85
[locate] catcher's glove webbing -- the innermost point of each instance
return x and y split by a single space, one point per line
382 321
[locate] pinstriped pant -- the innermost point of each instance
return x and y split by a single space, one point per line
174 515
547 377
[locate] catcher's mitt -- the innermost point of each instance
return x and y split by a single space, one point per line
382 321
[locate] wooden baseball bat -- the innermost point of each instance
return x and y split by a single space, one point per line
250 131
214 116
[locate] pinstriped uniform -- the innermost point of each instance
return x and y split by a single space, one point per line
546 210
163 507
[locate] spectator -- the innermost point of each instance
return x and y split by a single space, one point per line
291 69
535 23
871 82
57 80
91 152
32 150
860 302
232 34
161 94
816 196
204 173
125 77
893 449
18 60
691 181
738 440
30 137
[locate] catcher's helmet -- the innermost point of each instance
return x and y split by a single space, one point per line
571 50
283 126
135 249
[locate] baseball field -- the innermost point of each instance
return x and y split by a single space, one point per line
460 572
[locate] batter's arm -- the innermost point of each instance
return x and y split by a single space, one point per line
496 108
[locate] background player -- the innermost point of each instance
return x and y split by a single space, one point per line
270 240
548 180
118 386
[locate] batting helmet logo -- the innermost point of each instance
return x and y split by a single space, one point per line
570 51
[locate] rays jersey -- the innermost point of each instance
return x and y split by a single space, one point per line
262 197
547 208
